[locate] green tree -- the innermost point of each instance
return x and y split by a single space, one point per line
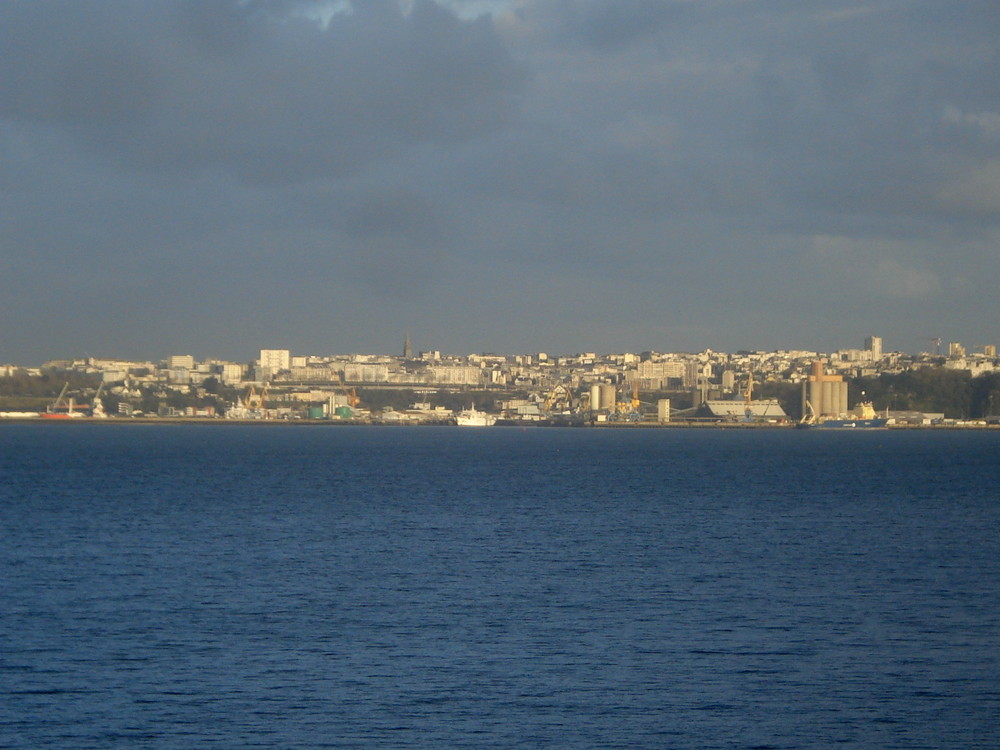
930 389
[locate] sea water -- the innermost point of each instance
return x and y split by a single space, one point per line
304 587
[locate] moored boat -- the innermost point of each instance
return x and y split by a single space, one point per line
475 418
862 424
863 418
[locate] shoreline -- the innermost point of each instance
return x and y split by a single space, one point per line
208 421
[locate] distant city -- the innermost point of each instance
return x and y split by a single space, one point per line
774 387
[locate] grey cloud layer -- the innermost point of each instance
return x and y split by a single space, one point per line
271 98
691 173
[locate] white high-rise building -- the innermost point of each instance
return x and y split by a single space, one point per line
275 359
180 362
873 344
231 372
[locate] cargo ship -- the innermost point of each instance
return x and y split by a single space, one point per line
65 408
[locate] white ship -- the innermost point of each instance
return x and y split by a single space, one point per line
474 418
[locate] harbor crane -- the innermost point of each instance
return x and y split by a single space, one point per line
59 403
255 401
97 405
63 405
629 411
748 398
748 402
559 399
352 395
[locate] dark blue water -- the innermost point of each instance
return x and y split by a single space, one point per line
192 587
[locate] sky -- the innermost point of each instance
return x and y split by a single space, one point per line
214 177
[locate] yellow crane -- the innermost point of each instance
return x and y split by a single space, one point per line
629 410
559 399
255 401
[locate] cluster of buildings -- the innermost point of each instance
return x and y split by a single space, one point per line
527 387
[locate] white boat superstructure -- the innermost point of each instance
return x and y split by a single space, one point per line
475 418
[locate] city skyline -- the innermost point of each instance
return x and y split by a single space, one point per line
523 176
872 348
405 349
428 386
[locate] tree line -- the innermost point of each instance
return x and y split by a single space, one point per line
955 393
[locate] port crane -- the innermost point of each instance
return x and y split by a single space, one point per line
352 395
748 400
255 401
65 406
59 403
559 399
628 411
97 406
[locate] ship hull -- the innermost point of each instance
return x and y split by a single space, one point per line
476 419
848 424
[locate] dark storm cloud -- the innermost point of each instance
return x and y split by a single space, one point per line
617 25
844 148
499 174
245 88
393 212
830 94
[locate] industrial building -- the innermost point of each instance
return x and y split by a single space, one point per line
824 395
762 410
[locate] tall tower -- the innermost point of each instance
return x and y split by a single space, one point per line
407 349
873 344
